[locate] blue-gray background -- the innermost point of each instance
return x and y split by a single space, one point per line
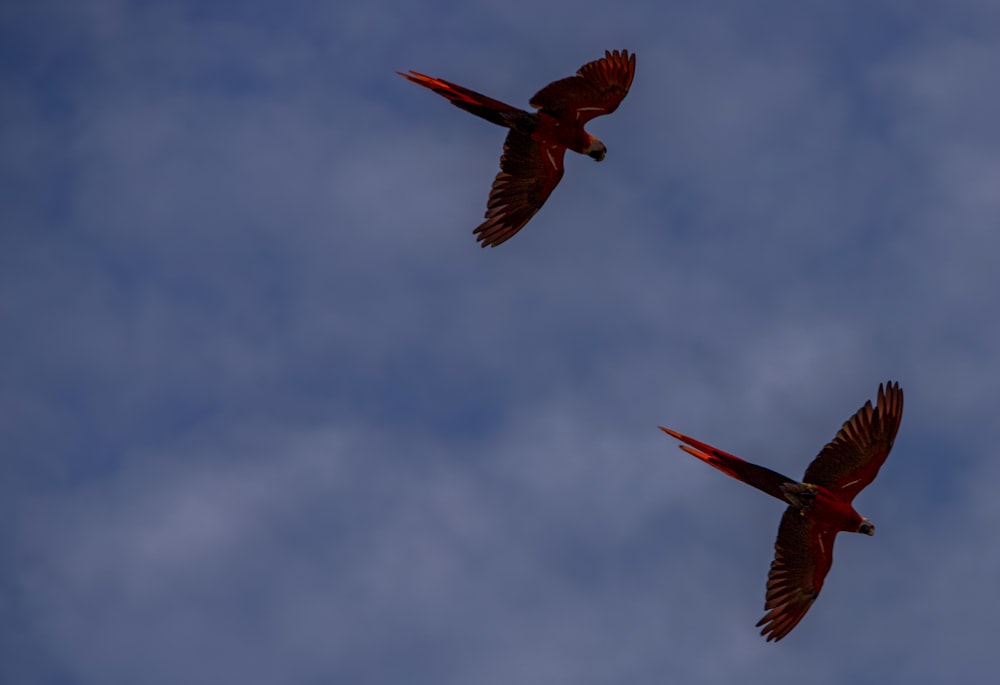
270 415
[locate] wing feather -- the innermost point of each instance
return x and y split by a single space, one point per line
529 172
596 89
803 554
852 460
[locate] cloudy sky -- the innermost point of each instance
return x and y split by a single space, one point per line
268 414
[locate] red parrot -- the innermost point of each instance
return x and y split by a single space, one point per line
532 161
818 508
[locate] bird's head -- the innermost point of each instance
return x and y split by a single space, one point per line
866 527
596 149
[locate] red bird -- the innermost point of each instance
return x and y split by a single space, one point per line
532 161
818 508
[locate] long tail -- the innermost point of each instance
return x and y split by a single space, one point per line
762 478
492 110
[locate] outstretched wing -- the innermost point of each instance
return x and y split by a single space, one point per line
597 88
852 460
803 554
529 171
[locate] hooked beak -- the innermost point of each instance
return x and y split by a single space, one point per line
867 527
596 150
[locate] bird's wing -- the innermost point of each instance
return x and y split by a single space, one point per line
529 171
803 554
597 88
852 460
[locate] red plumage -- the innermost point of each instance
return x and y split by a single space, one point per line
532 162
819 507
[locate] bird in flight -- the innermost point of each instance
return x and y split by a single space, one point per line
819 507
532 161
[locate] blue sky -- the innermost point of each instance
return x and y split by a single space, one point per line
269 414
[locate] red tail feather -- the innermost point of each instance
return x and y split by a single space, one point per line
764 479
497 112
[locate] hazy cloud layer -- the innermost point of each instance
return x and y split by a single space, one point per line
269 414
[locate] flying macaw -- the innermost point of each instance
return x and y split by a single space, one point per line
818 508
532 161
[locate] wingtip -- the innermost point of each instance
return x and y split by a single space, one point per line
889 391
623 57
622 54
490 238
772 631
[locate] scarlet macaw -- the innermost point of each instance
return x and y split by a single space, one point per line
818 508
532 161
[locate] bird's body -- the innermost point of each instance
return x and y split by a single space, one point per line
819 507
532 162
